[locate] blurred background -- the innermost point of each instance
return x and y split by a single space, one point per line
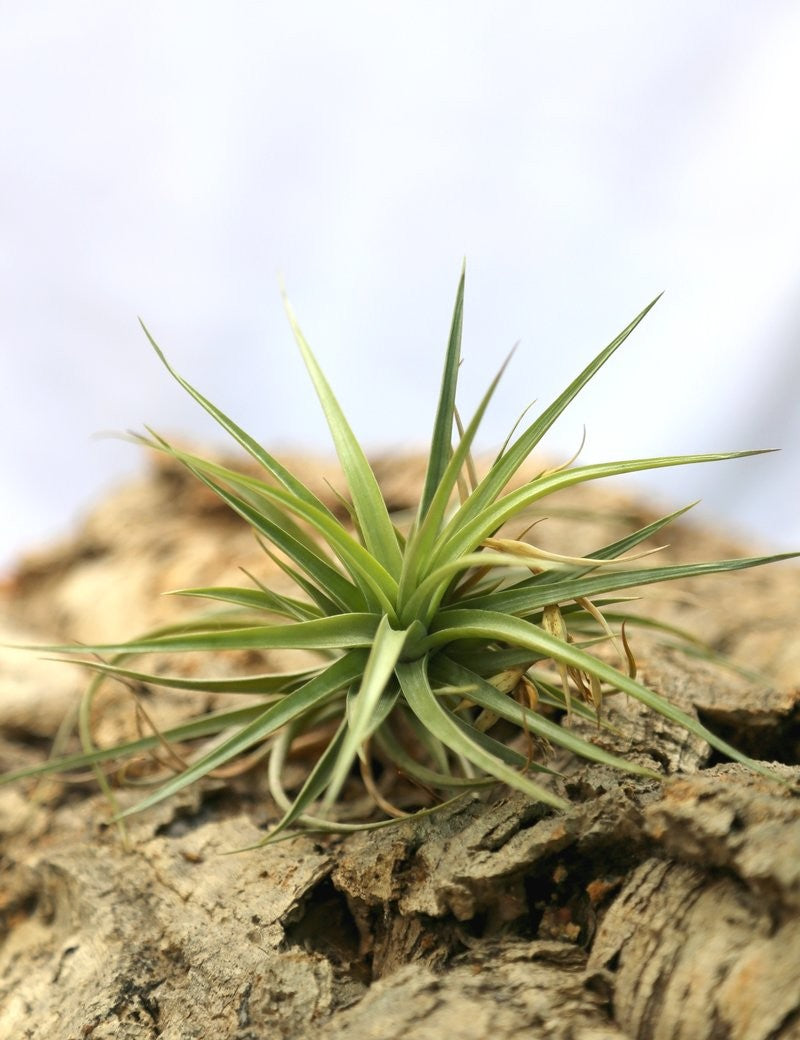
173 160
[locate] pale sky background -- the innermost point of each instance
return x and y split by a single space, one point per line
170 159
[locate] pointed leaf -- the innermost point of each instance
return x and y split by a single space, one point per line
425 705
441 440
255 599
302 701
422 540
461 537
507 465
614 549
275 683
383 656
373 516
203 726
526 598
251 446
343 631
488 697
466 624
357 559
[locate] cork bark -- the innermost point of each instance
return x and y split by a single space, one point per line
647 911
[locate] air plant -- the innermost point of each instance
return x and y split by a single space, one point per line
452 653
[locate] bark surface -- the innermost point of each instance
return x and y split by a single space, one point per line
647 911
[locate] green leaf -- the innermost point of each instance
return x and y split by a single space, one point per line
247 486
364 567
425 705
525 598
203 726
613 549
486 696
323 604
373 516
510 461
343 631
261 599
384 654
272 683
423 539
498 749
314 786
460 537
251 446
360 563
394 750
310 696
466 624
427 597
312 790
441 441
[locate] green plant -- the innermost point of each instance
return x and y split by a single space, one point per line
432 645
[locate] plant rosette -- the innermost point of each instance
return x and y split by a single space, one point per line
449 654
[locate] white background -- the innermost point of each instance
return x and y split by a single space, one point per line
169 160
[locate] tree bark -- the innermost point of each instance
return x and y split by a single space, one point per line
647 911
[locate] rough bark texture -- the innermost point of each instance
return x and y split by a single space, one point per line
646 912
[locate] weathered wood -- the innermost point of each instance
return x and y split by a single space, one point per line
645 912
504 990
707 942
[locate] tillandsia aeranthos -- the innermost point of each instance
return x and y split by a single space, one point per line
443 651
